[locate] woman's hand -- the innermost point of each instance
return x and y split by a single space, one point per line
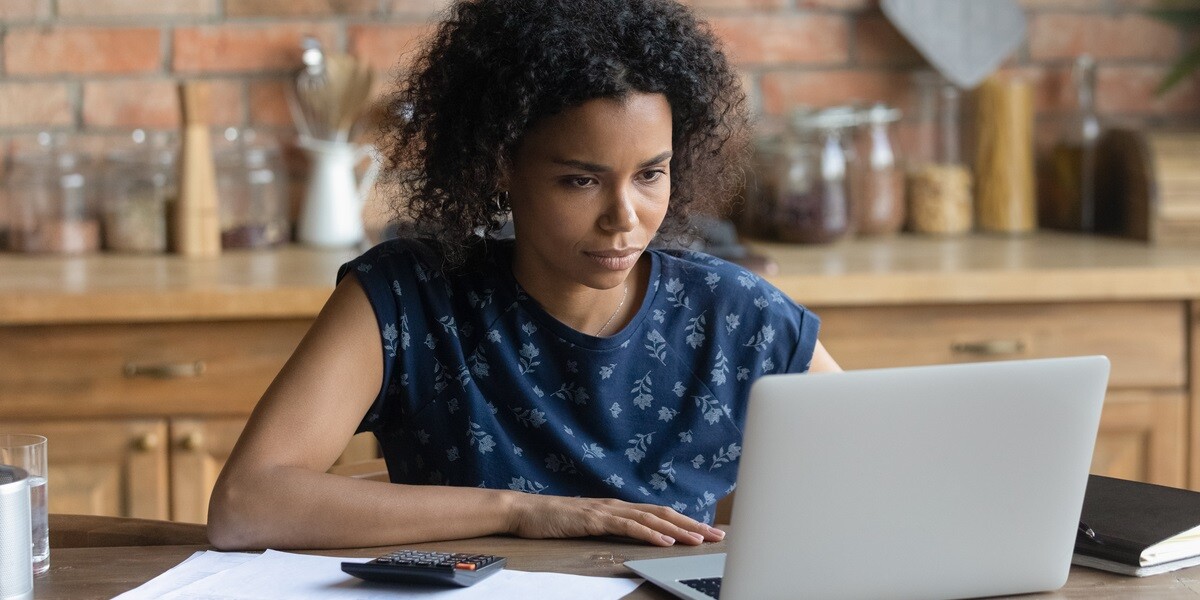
535 516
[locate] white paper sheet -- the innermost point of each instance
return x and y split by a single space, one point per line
274 574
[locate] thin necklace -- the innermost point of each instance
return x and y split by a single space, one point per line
624 293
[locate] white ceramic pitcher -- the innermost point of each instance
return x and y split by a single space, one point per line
332 213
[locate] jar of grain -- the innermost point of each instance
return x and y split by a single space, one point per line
140 185
939 184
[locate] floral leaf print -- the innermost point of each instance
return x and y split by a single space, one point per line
466 329
641 388
439 377
528 353
743 374
725 456
625 344
720 369
364 268
776 297
479 363
396 288
593 450
452 405
520 484
529 328
430 342
712 279
615 410
517 451
747 280
573 366
666 414
679 506
665 475
696 329
530 418
448 325
732 322
759 341
658 482
615 481
572 392
537 391
452 454
679 389
491 407
638 446
660 315
657 346
708 500
760 302
390 336
404 337
711 407
698 461
560 463
423 437
476 435
768 365
493 336
607 371
463 376
404 379
685 437
478 301
567 430
676 295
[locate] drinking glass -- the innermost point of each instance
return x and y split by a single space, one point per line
28 452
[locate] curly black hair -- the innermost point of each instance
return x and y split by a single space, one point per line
495 67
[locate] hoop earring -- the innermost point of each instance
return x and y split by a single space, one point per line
501 199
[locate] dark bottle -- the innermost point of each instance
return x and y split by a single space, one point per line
1068 199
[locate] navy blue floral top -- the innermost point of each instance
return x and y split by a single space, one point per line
482 387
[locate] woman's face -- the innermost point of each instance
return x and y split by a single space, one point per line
589 188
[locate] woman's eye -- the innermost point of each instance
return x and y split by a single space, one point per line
580 182
655 175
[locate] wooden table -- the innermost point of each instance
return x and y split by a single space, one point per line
106 571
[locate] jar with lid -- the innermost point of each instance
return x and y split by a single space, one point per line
52 208
140 185
812 203
877 193
252 191
939 183
754 217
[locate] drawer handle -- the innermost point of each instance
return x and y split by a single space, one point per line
146 442
165 370
193 442
989 347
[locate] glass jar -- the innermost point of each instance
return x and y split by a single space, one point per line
939 184
754 219
51 204
252 191
140 186
877 196
812 203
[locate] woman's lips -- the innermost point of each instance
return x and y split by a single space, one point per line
615 260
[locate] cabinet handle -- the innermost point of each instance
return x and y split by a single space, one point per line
193 442
146 442
989 347
165 370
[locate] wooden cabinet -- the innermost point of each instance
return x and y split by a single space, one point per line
199 448
1143 427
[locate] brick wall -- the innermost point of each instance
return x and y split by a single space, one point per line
106 66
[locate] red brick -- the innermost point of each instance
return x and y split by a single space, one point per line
242 48
136 8
384 47
153 104
415 7
291 8
268 103
1064 36
1130 90
34 104
19 10
793 39
877 42
783 91
81 50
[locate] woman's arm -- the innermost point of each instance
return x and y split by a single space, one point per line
274 491
822 362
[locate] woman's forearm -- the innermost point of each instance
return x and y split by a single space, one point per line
292 507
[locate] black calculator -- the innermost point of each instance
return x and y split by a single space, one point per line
429 568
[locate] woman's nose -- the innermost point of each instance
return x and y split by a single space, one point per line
620 213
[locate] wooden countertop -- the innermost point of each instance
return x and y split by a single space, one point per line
294 282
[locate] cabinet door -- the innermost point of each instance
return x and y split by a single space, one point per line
111 468
199 448
1142 437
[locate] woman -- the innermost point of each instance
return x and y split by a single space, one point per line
570 382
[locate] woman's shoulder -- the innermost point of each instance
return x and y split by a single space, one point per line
692 269
420 258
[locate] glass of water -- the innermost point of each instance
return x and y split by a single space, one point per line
28 452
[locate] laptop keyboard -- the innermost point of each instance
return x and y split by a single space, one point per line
710 586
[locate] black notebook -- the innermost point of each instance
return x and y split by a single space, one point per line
1136 528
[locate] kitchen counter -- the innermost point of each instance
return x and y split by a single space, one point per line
295 281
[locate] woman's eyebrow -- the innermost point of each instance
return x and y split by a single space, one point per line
599 168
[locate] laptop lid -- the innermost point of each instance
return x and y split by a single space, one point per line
945 481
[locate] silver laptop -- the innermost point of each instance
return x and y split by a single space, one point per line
953 481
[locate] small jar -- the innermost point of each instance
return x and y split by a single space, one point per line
755 217
253 192
51 204
939 184
140 186
877 196
812 204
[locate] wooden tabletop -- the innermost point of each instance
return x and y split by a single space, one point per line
106 571
295 281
